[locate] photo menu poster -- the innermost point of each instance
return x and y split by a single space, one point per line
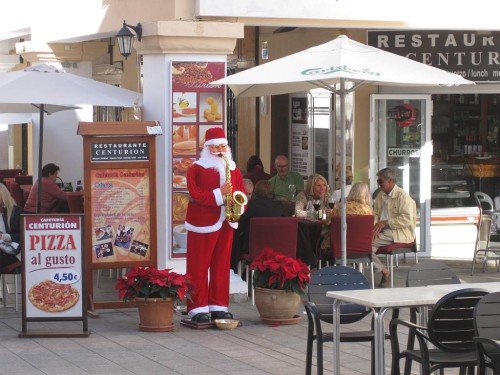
300 140
196 107
121 228
53 266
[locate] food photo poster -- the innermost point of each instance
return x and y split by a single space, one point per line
121 227
196 107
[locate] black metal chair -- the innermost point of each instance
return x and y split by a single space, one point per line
487 328
319 308
424 274
449 331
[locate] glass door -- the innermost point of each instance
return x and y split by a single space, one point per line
401 139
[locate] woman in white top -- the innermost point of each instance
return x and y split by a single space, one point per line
316 189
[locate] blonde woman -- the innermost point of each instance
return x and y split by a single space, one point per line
9 224
359 201
316 189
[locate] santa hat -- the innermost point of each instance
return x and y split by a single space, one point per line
215 136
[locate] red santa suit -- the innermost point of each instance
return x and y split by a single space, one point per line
210 235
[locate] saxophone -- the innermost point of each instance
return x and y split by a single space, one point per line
235 201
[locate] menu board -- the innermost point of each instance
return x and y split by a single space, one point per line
121 228
196 107
53 266
300 140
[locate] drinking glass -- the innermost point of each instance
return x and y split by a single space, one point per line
292 190
331 202
316 204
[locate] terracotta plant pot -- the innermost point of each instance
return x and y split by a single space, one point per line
155 314
275 305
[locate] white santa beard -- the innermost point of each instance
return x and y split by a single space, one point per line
209 160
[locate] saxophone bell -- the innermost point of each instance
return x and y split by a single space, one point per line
239 200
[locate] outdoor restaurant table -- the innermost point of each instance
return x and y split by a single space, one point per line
380 301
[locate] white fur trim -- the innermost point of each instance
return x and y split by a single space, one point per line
218 197
217 308
210 228
216 141
198 310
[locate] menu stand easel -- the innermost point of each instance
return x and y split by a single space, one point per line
119 198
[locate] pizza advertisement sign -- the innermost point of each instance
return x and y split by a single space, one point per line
196 107
53 267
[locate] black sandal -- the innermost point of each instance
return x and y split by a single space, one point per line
221 315
201 318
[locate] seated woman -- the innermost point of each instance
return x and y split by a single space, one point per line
9 224
316 189
53 199
262 205
359 201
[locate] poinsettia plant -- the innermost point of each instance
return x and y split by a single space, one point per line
150 282
274 270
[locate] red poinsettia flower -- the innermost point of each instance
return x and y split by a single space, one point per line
274 270
149 282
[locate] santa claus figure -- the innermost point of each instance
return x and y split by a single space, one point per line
210 235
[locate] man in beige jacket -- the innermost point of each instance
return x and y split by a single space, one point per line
395 217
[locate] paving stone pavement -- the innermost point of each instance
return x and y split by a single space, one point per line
116 346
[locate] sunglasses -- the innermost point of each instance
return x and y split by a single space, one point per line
380 181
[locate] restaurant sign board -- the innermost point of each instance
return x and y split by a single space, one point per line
474 55
119 151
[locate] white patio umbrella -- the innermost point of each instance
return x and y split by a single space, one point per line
332 66
45 89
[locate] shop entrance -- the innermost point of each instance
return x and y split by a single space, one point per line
401 139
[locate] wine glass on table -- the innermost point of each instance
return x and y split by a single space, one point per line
331 202
316 205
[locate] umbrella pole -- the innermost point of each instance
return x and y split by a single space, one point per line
343 220
40 153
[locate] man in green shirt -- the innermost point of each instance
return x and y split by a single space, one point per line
284 178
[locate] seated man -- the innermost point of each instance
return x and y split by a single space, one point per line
285 178
262 205
395 217
249 186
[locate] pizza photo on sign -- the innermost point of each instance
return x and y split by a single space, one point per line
124 236
139 248
53 297
104 250
103 233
